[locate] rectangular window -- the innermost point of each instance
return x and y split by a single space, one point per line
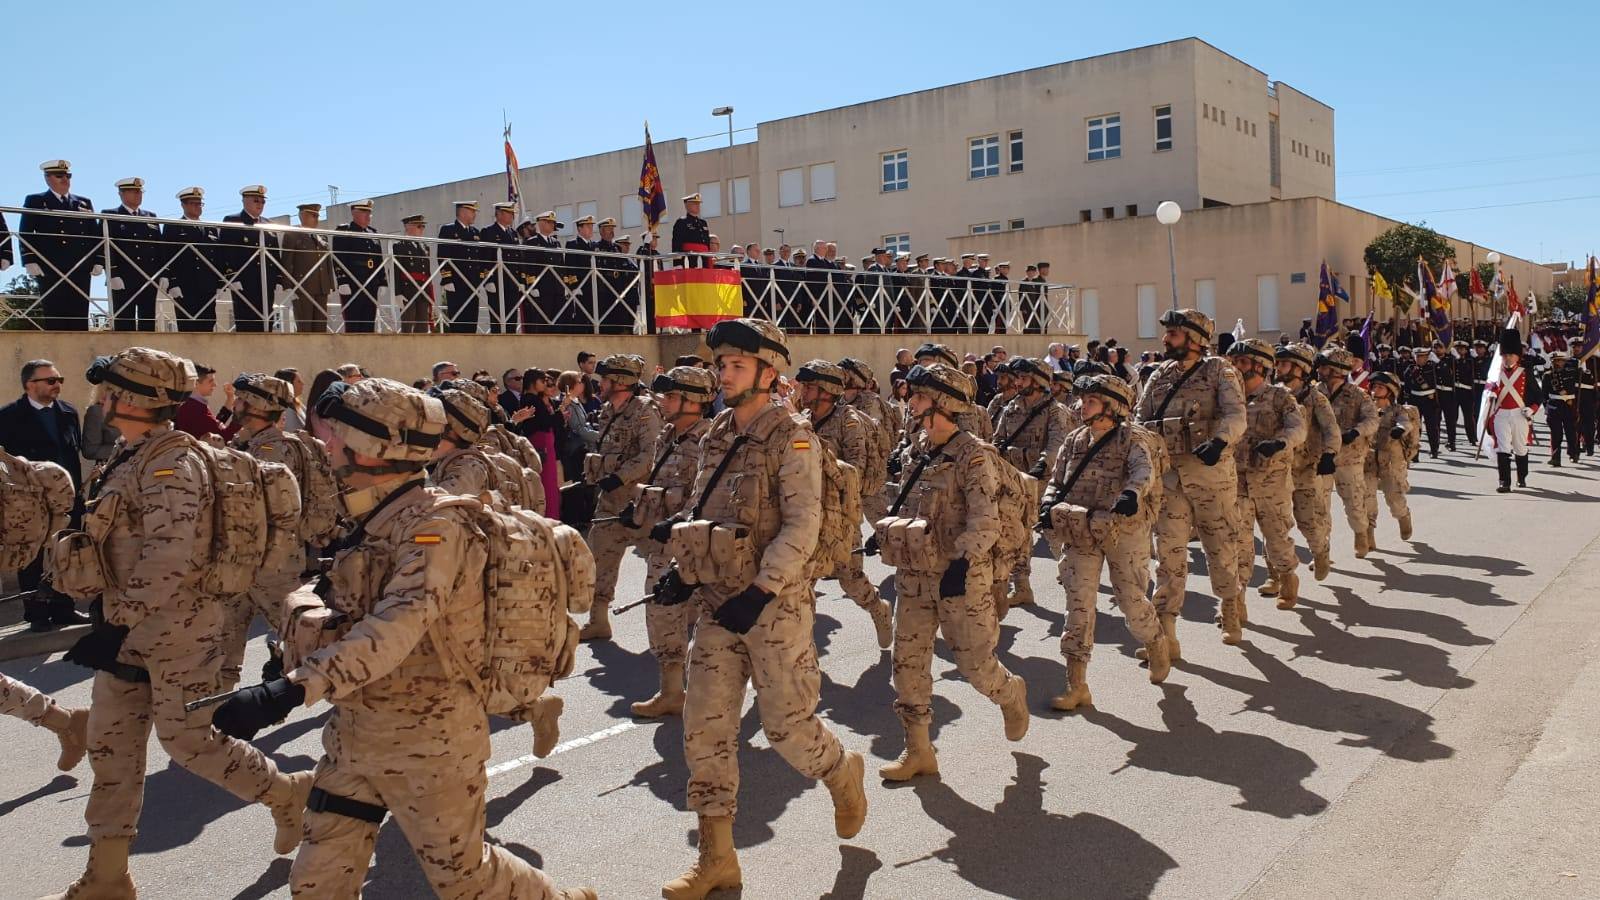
1147 311
1016 224
710 199
1267 302
896 171
1163 128
791 187
1089 313
822 184
632 210
1132 210
564 216
1084 215
1015 139
1274 152
985 228
739 191
983 158
897 243
1205 296
588 208
1108 212
1105 137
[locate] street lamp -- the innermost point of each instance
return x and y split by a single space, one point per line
1168 213
732 222
1493 259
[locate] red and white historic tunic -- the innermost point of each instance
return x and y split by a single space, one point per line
1511 411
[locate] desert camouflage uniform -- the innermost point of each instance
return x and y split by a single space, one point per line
1266 486
1034 442
1310 489
667 627
890 426
1388 468
1353 408
844 432
626 449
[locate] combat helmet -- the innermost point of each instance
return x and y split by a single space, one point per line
1032 372
385 419
857 374
1191 320
628 367
1116 393
263 393
146 378
749 337
825 375
693 382
950 388
1300 354
1254 349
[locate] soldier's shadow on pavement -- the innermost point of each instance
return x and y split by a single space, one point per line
178 805
1367 720
1267 774
1418 663
856 865
666 775
1005 850
273 878
619 672
1354 611
1471 591
1422 490
47 675
62 782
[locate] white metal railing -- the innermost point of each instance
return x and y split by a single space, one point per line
100 271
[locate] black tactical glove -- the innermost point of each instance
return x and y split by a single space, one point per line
870 548
608 484
1127 503
1350 436
1210 452
1325 464
953 583
626 516
98 649
670 589
1045 523
1038 469
1397 432
661 531
894 465
740 612
1269 449
255 707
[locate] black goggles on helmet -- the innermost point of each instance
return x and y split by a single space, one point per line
331 406
604 370
853 366
937 352
250 386
102 371
666 384
920 377
808 375
740 336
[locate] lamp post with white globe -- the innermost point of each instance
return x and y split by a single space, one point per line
1168 213
1493 259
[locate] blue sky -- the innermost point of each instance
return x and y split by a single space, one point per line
1471 116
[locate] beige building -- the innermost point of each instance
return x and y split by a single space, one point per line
1104 138
1258 262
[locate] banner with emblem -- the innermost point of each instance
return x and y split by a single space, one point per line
513 187
1328 296
1436 303
697 298
651 197
1591 316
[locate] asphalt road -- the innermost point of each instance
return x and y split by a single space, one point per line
1416 723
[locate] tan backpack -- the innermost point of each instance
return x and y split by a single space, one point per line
1017 505
319 491
841 515
35 502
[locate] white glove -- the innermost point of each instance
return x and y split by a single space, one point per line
95 272
34 270
235 286
449 287
344 290
115 284
161 285
488 287
175 293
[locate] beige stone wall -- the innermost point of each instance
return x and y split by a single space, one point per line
1304 121
721 165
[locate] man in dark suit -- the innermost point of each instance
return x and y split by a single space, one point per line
463 269
63 252
252 277
510 398
194 273
136 255
358 267
42 427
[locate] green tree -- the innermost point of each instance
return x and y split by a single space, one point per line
1394 255
1569 298
15 298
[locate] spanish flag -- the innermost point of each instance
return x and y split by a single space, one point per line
697 298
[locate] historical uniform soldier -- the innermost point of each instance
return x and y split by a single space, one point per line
1100 505
413 291
1275 428
1514 399
136 257
1313 461
310 269
684 395
629 425
1196 404
861 392
464 271
155 648
251 255
1028 435
1444 381
759 484
1561 389
939 537
1467 398
359 266
1393 447
62 252
1422 389
849 435
195 272
690 233
408 734
1358 421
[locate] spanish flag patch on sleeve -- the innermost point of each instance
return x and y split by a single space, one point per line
428 539
802 445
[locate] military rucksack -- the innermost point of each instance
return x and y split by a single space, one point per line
319 491
1017 506
841 515
35 502
1156 446
538 571
518 467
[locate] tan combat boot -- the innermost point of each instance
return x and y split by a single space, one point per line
1169 628
669 700
1160 660
1320 564
289 812
1077 692
918 758
71 728
577 893
599 626
1231 633
1014 710
1021 593
1405 527
1243 608
1361 545
547 724
1290 595
883 621
1372 538
1269 588
716 869
848 787
106 877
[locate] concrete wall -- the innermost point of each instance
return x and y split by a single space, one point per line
1308 122
721 165
1232 132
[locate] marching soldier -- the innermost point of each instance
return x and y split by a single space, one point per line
848 434
69 725
1314 460
1275 428
1099 505
1462 365
1393 448
1513 401
1358 421
362 274
463 270
1561 390
684 395
971 421
252 263
136 256
691 234
757 502
1195 403
195 273
309 266
62 252
1006 389
629 425
413 291
1588 403
1028 435
861 392
1444 380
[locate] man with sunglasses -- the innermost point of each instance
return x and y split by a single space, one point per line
42 427
60 251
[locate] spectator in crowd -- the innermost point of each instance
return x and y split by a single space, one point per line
319 385
903 361
445 371
194 414
511 396
544 426
42 427
1056 357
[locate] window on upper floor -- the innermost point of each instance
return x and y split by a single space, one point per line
822 183
985 228
1014 163
710 199
896 171
1105 137
983 157
897 243
1163 128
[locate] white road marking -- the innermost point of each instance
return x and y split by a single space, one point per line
519 762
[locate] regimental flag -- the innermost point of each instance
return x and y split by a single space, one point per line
1447 283
1475 286
1327 306
1513 302
697 297
1380 287
513 189
1591 317
1437 304
651 197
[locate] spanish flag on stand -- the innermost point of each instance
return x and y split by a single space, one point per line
697 298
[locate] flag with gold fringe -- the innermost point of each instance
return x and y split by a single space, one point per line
697 298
